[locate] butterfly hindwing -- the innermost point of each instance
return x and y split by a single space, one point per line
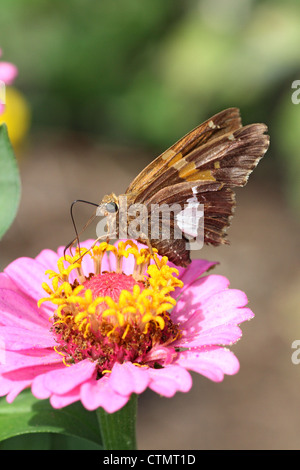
186 220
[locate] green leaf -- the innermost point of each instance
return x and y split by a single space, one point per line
37 441
119 429
47 441
10 186
29 415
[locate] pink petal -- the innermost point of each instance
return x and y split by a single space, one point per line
220 335
15 309
228 304
46 310
19 387
37 387
8 72
26 359
211 284
127 378
96 393
60 401
28 275
169 380
209 313
105 264
192 272
212 362
5 386
62 381
48 259
15 338
7 283
2 108
194 295
196 269
225 307
30 373
14 382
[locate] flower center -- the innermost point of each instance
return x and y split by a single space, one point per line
110 284
112 317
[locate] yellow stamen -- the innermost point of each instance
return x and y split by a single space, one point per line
125 332
139 310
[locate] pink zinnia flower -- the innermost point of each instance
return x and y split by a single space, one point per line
8 73
111 326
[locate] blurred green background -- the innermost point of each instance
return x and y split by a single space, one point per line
110 85
146 72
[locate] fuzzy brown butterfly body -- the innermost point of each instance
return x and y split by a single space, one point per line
201 168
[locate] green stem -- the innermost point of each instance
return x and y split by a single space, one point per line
118 429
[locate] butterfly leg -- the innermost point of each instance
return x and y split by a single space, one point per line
151 251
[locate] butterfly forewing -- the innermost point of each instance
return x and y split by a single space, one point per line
155 175
202 167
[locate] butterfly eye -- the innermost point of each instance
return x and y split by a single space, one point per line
111 207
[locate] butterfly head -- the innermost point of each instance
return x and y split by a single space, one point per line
109 205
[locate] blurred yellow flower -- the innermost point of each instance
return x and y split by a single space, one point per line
16 116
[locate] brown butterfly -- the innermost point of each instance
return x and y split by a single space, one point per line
201 168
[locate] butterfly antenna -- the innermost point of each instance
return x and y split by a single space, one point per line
71 244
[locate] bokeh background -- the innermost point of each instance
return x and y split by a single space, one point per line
103 88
